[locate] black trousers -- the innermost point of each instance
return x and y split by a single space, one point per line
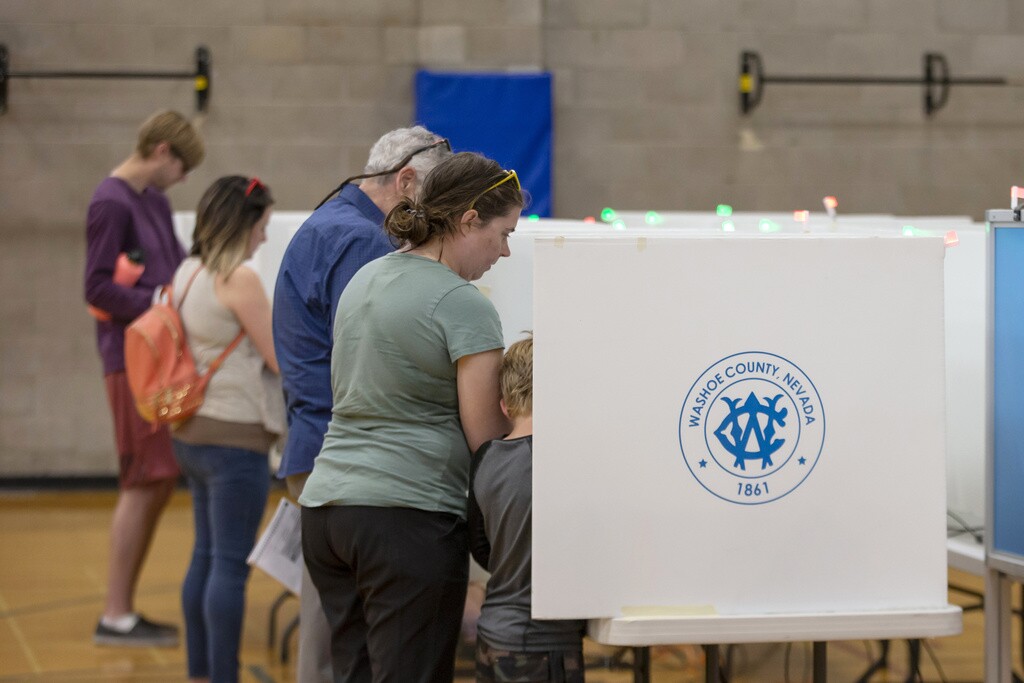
393 586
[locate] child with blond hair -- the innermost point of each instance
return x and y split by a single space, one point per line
511 645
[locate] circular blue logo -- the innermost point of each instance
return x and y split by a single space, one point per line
752 428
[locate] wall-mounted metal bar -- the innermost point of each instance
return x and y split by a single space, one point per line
200 77
936 81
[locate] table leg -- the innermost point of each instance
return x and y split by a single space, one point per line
641 665
711 672
820 662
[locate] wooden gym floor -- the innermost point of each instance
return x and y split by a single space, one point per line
53 549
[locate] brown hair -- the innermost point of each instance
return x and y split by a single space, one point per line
174 129
225 217
517 378
448 191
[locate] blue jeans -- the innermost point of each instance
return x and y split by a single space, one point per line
229 493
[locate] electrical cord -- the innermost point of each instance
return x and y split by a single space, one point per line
962 527
935 660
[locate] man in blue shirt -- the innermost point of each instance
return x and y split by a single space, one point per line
341 236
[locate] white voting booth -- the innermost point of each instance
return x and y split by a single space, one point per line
739 434
633 326
739 427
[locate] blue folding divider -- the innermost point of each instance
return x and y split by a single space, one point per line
1005 475
505 116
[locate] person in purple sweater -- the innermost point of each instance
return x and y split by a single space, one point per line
130 213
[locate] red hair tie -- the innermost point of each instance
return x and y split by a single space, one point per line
253 184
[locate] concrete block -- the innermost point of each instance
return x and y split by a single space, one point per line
879 54
832 16
442 45
246 83
174 47
480 13
908 17
274 45
349 13
353 158
576 199
982 16
1016 19
583 126
321 161
322 83
156 12
17 396
504 47
694 16
706 163
392 84
225 12
596 13
33 45
758 16
565 85
112 46
640 48
345 44
22 358
610 86
997 56
401 45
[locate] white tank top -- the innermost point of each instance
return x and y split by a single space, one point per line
235 392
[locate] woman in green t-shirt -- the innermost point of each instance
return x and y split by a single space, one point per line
414 372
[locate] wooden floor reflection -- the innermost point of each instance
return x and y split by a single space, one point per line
53 549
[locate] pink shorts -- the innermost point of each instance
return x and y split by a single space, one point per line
144 451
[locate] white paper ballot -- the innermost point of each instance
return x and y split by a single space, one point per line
278 552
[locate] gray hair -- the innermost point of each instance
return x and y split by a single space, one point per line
397 144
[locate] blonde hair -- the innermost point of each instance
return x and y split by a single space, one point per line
225 217
174 129
517 378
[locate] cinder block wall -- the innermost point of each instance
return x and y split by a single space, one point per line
646 117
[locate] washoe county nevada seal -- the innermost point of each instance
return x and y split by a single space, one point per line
752 428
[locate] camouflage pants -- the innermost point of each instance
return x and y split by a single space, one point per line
503 666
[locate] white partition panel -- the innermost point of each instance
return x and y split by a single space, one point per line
267 260
664 364
509 284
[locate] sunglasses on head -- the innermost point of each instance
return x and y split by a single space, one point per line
509 175
443 142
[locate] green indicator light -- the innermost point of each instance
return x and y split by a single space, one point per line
533 218
723 210
908 230
619 224
728 226
607 215
766 225
652 218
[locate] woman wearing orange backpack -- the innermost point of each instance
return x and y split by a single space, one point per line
222 449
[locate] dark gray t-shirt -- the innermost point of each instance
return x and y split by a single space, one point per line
500 528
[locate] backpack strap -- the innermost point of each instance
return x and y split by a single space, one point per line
219 360
215 365
188 286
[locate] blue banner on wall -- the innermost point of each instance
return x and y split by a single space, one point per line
505 116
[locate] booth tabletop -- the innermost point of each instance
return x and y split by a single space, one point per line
770 628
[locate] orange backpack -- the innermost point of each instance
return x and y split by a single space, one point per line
161 373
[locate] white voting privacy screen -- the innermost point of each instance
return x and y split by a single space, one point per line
656 355
509 284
